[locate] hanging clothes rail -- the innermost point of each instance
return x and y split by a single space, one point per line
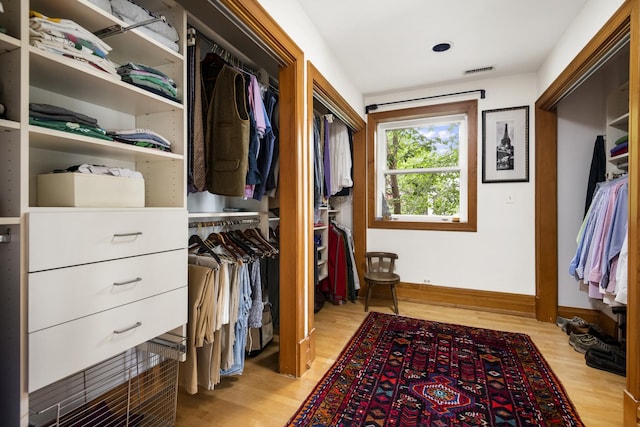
232 58
220 50
224 222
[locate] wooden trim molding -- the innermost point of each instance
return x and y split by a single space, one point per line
329 95
252 15
633 303
295 229
497 302
470 108
631 409
546 214
360 201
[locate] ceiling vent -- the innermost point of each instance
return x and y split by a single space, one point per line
479 70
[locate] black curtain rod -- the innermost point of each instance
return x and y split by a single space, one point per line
372 107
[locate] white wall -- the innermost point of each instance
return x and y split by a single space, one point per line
581 117
498 257
295 22
591 18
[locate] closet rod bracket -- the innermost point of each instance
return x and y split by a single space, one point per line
118 29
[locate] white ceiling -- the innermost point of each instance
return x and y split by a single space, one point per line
386 45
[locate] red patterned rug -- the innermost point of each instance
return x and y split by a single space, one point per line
399 371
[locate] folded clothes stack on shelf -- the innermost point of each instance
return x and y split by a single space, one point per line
101 170
140 138
59 118
621 146
67 38
149 79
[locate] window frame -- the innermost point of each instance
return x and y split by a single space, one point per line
468 108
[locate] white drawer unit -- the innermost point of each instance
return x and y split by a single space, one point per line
65 294
61 239
57 352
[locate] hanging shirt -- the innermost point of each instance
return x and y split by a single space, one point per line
340 157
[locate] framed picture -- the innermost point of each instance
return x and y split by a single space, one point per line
505 145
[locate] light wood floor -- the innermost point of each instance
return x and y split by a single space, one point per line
262 397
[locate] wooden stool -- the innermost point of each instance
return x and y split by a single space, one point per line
381 273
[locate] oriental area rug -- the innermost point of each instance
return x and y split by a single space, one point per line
399 371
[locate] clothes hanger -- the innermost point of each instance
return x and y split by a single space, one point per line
196 241
259 244
217 239
255 236
241 244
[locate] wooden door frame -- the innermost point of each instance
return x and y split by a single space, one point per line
318 85
625 21
294 225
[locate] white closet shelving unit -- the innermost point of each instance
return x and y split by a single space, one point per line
85 284
617 126
321 232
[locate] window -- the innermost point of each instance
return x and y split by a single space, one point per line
423 167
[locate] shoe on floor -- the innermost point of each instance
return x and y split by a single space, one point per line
577 328
583 342
563 322
615 363
597 332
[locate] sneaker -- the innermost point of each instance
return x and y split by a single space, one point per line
563 322
577 328
583 342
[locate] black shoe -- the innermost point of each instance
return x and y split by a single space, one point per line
619 309
614 362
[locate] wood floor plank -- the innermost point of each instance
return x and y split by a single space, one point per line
261 397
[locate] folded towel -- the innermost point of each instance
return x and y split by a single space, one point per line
620 149
623 138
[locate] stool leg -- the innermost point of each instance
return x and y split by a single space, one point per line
395 298
366 301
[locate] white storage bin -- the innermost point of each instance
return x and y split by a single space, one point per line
90 191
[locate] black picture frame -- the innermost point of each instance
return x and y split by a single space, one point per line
505 145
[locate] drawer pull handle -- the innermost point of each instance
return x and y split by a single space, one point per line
122 331
137 233
137 279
